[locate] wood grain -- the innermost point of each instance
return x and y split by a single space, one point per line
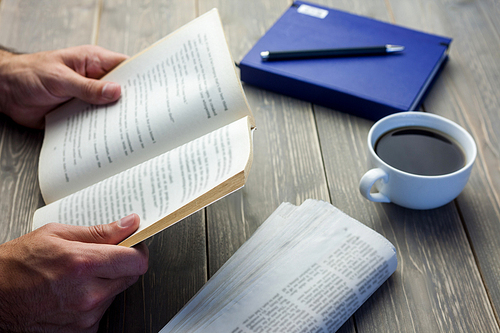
19 190
32 26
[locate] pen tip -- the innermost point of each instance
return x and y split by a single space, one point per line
394 48
264 55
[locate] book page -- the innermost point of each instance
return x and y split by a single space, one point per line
179 89
311 278
160 186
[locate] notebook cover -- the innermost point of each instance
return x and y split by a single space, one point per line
367 86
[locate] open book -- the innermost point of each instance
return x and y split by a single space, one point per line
306 269
179 138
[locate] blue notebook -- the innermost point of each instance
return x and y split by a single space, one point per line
367 86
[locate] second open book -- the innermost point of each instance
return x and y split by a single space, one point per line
178 139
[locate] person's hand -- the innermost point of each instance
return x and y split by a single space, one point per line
31 85
62 278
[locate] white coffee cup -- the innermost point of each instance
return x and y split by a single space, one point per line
412 190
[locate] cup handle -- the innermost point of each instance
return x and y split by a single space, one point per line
368 180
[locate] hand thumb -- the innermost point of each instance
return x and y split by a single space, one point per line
112 233
91 90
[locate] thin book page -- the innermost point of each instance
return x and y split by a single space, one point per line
162 185
181 88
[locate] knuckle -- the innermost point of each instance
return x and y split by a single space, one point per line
90 301
93 63
50 228
88 90
98 233
80 265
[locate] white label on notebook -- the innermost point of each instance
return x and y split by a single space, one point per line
312 11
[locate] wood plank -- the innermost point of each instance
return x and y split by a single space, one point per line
129 26
20 147
178 264
19 190
32 26
467 93
437 273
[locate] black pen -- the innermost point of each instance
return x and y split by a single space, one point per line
325 53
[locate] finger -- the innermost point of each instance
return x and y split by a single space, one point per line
112 233
113 287
89 90
97 254
91 61
111 261
120 262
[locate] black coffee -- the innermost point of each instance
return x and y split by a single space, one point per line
421 151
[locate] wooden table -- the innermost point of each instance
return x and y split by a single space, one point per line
449 258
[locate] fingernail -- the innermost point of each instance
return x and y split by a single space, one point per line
109 90
126 221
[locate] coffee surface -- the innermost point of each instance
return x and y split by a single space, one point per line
421 151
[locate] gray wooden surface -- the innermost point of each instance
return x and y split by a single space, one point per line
449 258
